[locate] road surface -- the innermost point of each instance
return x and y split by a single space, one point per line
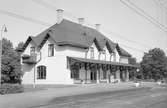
133 98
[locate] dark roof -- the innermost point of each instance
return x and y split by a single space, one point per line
101 62
74 34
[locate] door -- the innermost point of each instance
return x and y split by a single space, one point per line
93 76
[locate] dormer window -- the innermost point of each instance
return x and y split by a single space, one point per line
111 56
51 50
114 56
91 52
104 54
32 50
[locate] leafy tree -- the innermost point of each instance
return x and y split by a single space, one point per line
11 67
154 64
19 47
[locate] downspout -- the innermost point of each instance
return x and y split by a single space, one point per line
34 85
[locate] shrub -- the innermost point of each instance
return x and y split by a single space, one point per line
11 88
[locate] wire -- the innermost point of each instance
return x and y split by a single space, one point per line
24 18
142 13
132 48
126 39
43 3
43 23
52 7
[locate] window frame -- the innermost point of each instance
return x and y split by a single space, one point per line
41 72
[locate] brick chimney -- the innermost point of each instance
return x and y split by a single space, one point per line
81 21
97 27
59 15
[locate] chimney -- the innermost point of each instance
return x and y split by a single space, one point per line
59 15
97 26
81 21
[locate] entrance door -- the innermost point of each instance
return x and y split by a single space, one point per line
93 76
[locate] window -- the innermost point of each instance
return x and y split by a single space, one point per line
104 54
91 52
114 56
51 50
111 57
32 50
41 72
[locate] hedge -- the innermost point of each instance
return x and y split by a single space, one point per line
11 88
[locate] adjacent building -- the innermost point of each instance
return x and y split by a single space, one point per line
69 52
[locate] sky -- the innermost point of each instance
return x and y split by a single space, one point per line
120 23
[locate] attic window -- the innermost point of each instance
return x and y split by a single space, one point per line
32 50
114 56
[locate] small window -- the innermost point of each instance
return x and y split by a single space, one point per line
51 50
32 50
104 54
114 56
91 52
111 57
41 72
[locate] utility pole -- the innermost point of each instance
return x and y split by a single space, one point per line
3 29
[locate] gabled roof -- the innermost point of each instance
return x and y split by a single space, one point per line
122 52
74 34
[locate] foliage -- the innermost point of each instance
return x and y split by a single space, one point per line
154 64
19 47
11 88
11 67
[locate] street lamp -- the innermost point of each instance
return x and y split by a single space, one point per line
3 30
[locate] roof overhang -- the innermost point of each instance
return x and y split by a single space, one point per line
84 60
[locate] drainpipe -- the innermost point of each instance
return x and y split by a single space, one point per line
34 85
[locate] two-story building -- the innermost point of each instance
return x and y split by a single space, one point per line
70 52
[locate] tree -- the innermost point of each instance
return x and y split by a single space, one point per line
11 67
19 47
154 64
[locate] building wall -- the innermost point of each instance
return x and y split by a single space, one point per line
56 66
96 53
123 59
117 57
28 77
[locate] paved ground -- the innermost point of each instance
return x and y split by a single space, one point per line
66 97
133 98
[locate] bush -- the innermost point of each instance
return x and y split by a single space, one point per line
11 88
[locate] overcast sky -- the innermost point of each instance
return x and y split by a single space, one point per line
119 22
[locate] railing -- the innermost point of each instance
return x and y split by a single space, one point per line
29 59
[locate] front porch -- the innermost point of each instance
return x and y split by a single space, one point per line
98 71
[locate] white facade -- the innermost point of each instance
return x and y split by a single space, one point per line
56 66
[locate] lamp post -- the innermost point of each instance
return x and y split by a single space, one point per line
3 29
